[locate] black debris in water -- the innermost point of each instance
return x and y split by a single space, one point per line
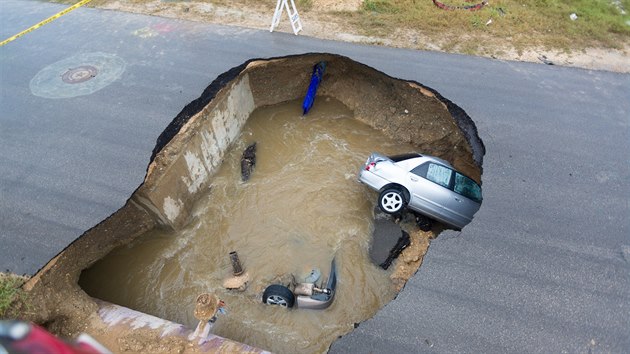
248 161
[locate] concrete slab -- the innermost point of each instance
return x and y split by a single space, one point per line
385 237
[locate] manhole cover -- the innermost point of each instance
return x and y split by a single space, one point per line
79 74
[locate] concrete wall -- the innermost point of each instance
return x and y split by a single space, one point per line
184 167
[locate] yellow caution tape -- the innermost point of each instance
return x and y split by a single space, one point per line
48 20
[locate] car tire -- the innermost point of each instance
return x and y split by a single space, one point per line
278 295
391 201
424 223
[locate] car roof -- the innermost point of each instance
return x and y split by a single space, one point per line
438 160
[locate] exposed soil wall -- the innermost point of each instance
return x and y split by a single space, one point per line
192 147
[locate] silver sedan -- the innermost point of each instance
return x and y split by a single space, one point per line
425 184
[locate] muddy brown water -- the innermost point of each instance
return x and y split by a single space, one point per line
301 207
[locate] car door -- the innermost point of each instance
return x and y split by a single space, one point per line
429 188
467 197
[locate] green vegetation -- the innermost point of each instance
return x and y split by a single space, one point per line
10 292
537 23
380 6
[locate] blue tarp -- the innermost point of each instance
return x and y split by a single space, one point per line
316 78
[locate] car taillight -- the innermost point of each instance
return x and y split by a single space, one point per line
368 166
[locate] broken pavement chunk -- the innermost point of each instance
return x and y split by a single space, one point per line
403 242
387 241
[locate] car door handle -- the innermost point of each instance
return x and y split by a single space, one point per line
413 179
457 199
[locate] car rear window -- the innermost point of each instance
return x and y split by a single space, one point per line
467 187
403 157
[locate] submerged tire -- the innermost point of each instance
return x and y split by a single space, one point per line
278 295
391 201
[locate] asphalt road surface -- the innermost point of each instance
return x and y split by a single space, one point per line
544 267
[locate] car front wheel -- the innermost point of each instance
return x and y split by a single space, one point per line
391 201
278 295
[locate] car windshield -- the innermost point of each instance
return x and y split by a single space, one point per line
467 187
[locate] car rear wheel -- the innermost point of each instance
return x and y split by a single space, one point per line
278 295
391 201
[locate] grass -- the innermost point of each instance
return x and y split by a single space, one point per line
11 294
541 22
380 7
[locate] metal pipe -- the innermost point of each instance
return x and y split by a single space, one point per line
324 291
237 269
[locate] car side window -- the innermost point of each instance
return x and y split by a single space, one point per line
421 170
467 187
435 173
439 174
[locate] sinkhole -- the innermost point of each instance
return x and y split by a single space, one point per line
301 207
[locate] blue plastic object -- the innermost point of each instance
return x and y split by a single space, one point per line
316 78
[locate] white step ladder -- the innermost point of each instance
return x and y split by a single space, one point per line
294 17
